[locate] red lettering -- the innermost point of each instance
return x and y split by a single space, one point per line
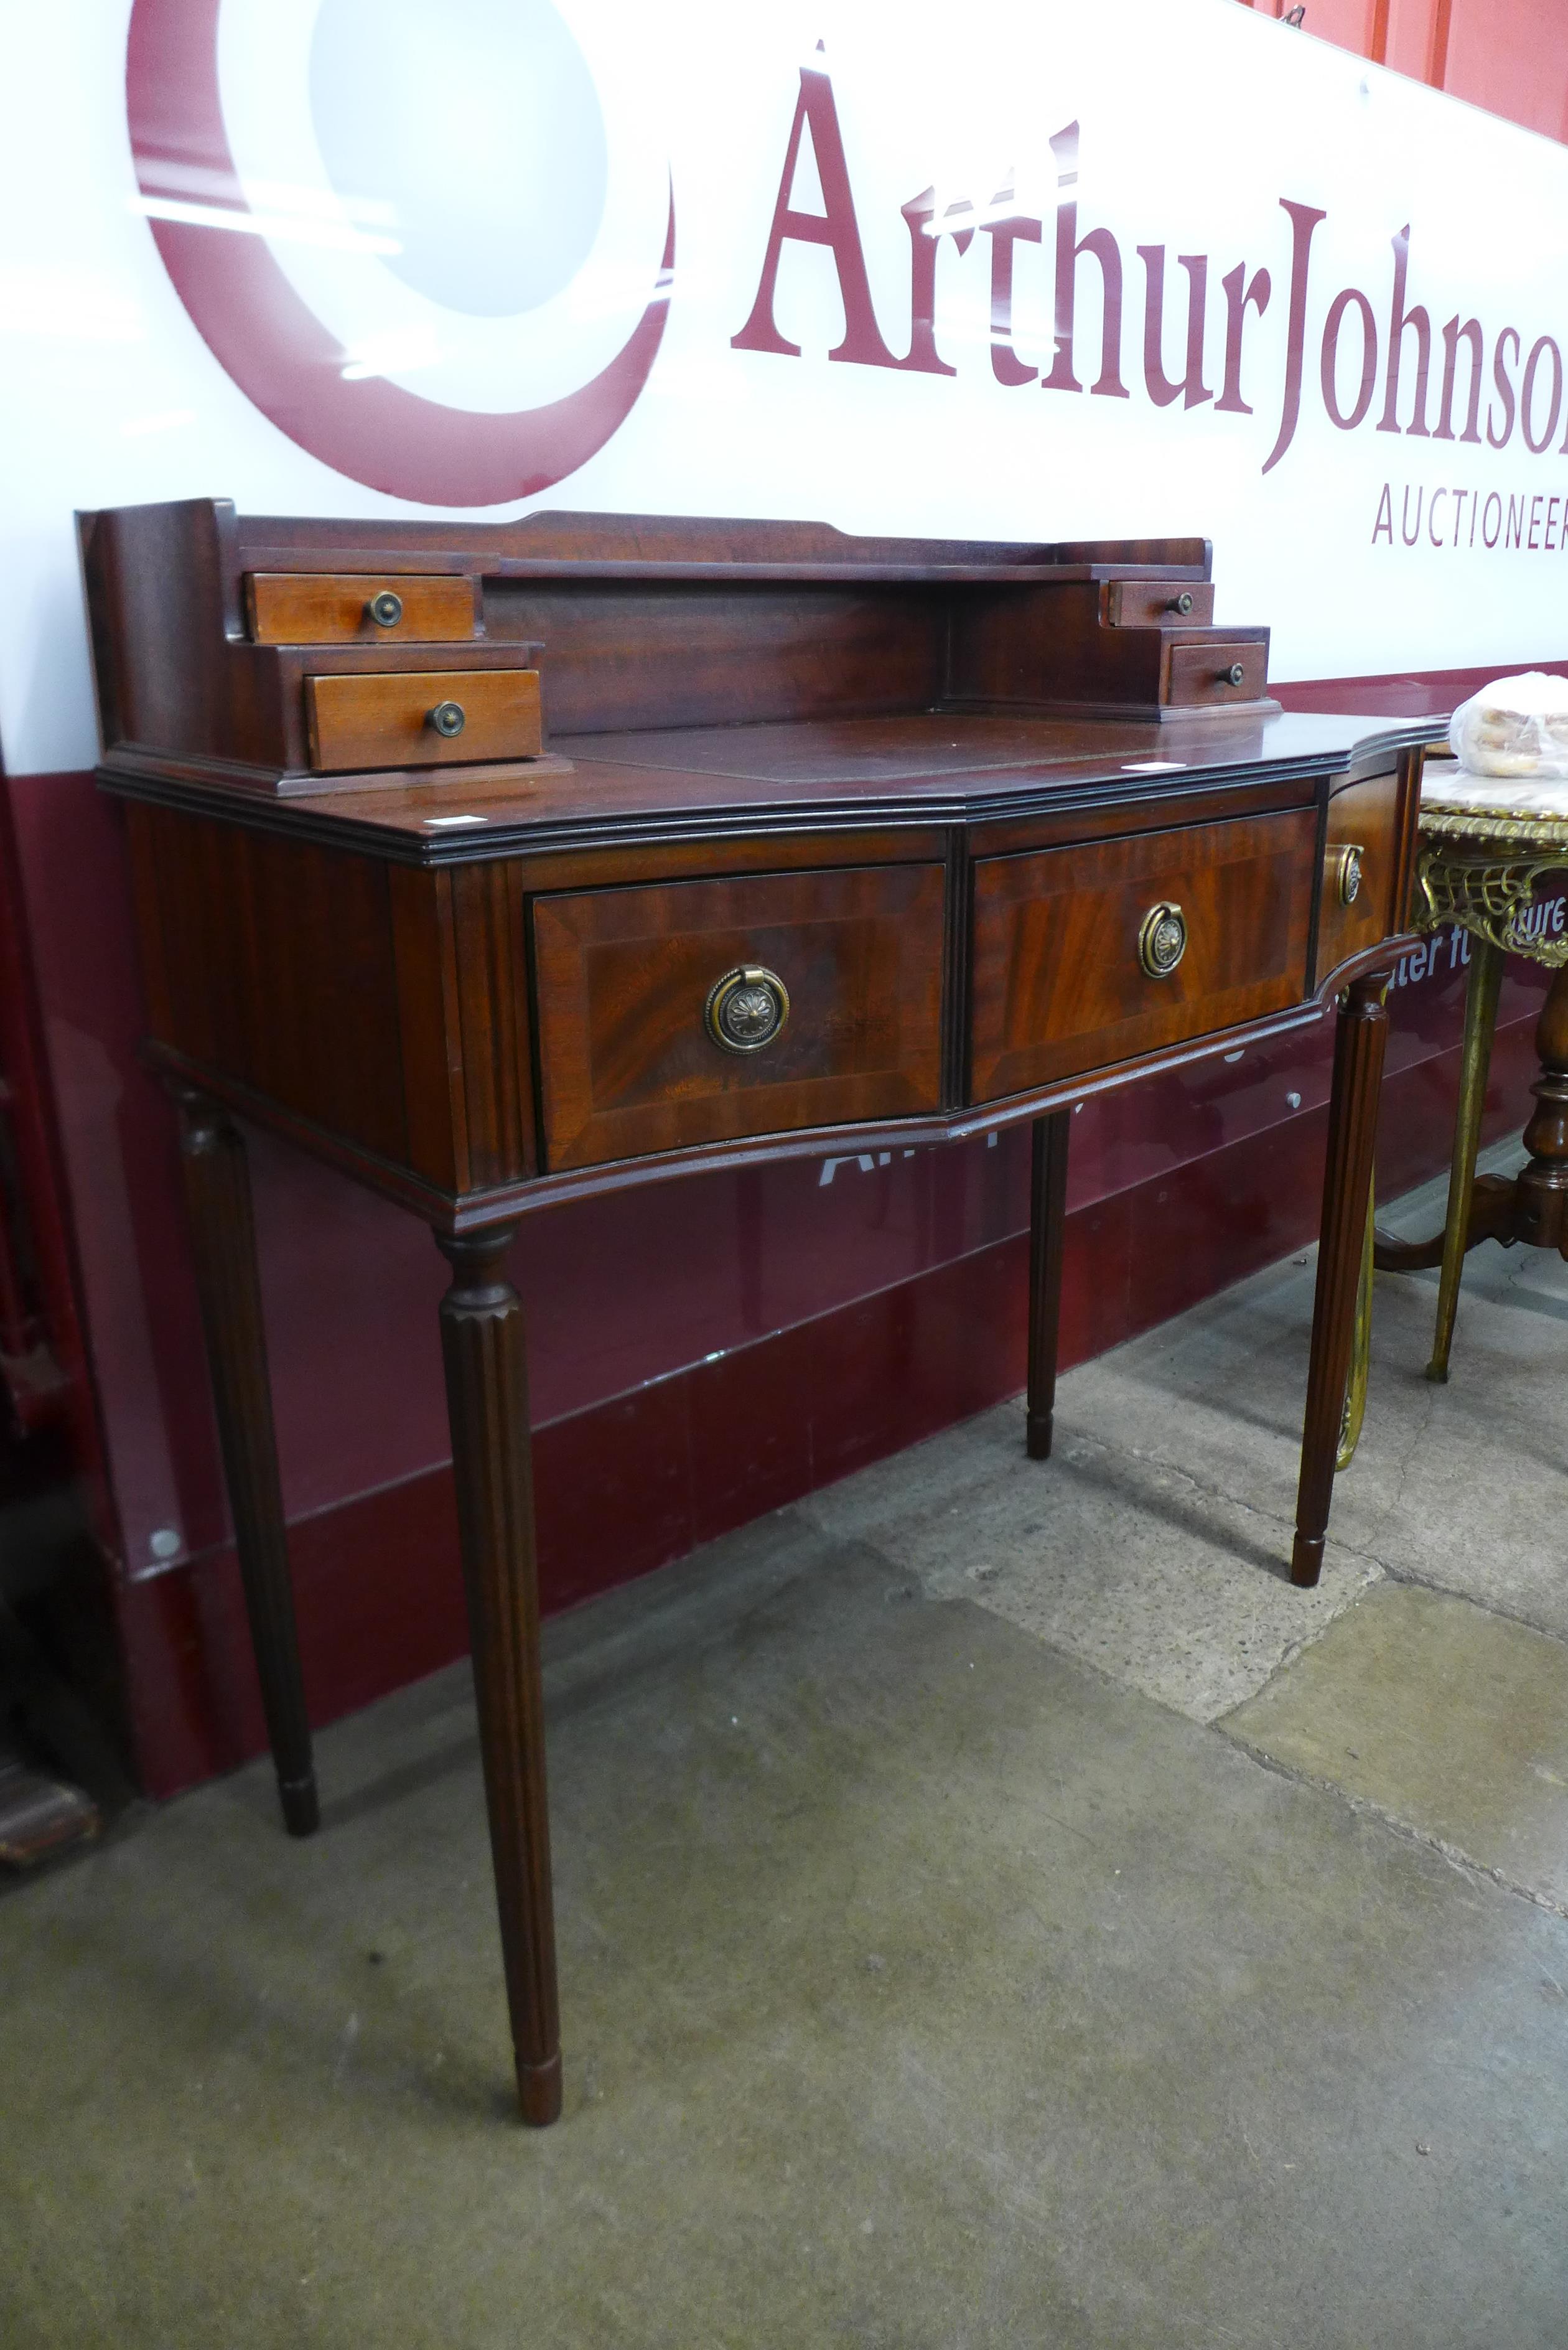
919 214
1527 395
1470 334
1005 364
1070 248
835 227
1329 367
1504 382
1237 296
1303 220
1400 321
1190 388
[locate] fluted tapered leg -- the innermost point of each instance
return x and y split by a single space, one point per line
1347 1182
487 1400
218 1196
1047 1214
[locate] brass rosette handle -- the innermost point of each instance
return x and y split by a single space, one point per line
448 718
1162 939
385 609
1347 873
746 1010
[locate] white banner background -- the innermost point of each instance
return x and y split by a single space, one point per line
1195 121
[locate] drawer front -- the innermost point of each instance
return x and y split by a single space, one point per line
1157 603
1061 985
425 718
343 608
630 983
1207 676
1356 904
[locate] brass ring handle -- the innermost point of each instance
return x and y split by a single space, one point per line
1234 675
746 1009
1182 603
1347 873
385 609
448 718
1162 939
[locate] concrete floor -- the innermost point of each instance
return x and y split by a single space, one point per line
995 1910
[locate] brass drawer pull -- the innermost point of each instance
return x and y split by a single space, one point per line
448 718
1233 675
385 609
746 1009
1182 603
1347 873
1162 940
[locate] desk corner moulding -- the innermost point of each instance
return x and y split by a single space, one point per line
496 863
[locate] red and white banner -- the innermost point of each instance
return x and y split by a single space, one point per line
1043 271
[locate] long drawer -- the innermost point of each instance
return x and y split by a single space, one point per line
1087 956
691 1012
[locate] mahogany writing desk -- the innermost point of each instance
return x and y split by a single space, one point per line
832 844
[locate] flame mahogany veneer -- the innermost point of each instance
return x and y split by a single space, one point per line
824 843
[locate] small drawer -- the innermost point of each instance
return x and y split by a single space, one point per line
345 607
690 1012
1355 899
1087 956
422 718
1159 603
1209 675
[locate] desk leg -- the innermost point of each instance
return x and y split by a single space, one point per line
487 1400
1047 1214
1347 1182
218 1198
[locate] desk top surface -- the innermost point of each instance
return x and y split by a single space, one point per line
919 767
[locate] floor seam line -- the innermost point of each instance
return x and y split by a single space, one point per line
1174 1468
1349 1548
1368 1807
1415 1581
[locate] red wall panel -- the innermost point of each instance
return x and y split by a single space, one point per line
1509 55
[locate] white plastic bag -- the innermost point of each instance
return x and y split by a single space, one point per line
1515 726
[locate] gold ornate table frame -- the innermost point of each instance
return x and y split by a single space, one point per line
1481 872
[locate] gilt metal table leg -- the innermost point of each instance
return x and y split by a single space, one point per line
487 1400
1047 1217
1360 1039
1481 1021
218 1196
1541 1191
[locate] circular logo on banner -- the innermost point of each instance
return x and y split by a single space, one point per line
421 239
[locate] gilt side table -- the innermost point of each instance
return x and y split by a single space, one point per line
1486 844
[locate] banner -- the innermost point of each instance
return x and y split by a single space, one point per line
1036 271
